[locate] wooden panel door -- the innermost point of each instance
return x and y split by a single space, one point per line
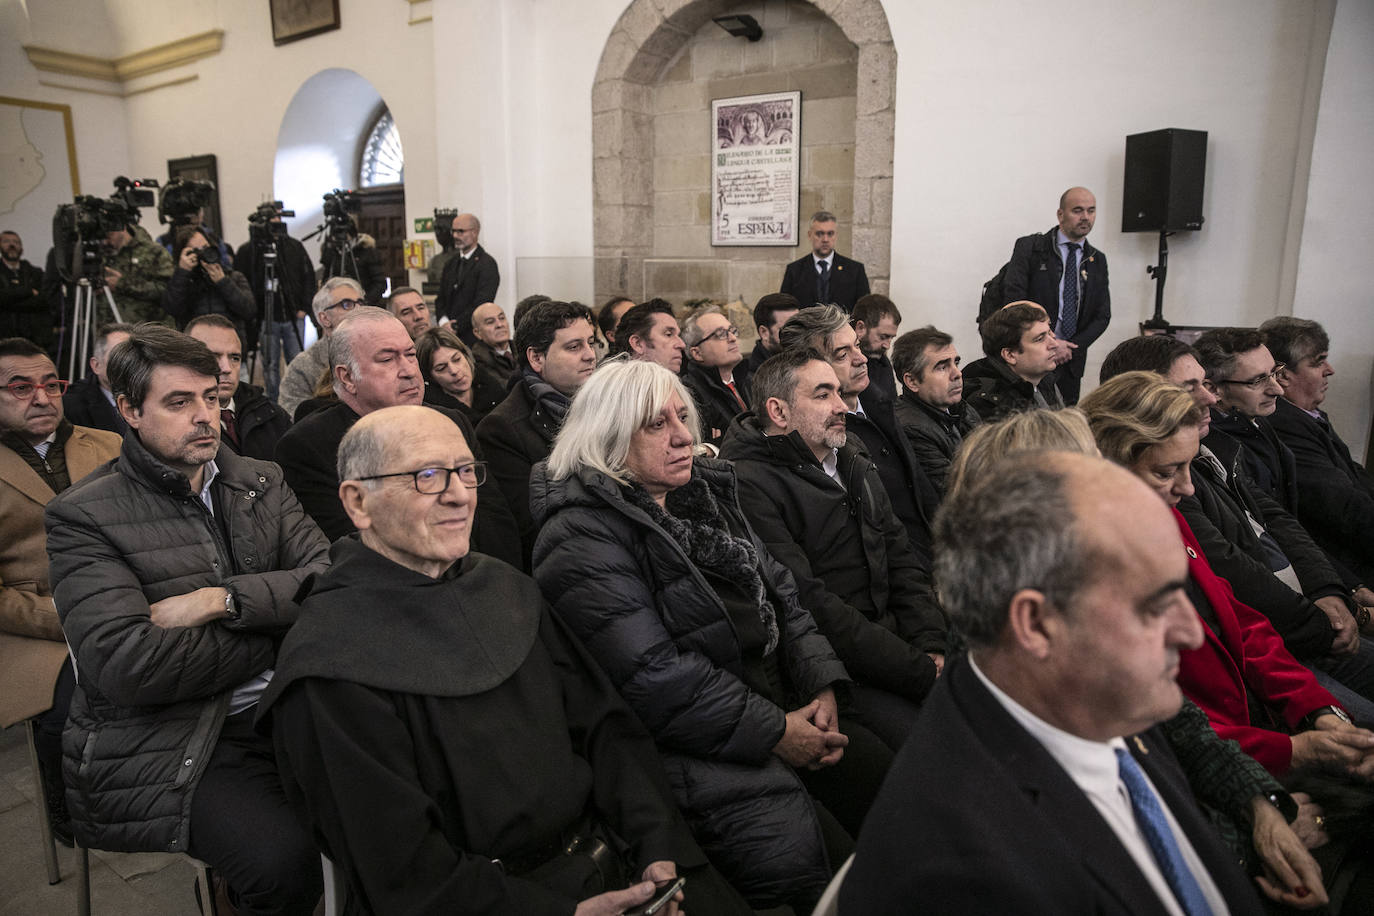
383 216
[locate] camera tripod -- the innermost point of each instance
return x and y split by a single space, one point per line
83 322
267 252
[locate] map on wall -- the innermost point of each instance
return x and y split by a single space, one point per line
756 169
37 169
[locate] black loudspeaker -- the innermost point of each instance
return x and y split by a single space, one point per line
1164 178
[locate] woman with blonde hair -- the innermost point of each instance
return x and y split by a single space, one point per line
1065 429
452 376
643 550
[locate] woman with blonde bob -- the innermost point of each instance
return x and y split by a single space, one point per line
1250 808
644 552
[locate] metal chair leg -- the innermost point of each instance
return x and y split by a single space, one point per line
41 803
83 888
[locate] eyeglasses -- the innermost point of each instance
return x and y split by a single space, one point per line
433 481
347 305
722 334
24 391
1258 382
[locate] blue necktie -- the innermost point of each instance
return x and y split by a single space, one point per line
823 283
1149 817
1068 314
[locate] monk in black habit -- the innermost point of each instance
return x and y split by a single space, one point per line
443 736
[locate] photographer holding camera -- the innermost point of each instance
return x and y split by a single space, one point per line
293 286
203 285
346 252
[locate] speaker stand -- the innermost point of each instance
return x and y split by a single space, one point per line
1159 273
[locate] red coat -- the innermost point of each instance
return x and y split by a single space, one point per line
1246 654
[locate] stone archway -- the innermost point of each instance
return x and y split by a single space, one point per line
643 42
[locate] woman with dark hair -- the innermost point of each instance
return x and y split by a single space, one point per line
645 552
453 378
202 285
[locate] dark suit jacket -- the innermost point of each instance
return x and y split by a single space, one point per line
1035 273
261 423
1335 494
516 436
914 498
465 284
84 404
848 281
307 455
976 817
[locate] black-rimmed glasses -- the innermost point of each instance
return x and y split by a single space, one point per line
722 334
1257 382
433 481
347 305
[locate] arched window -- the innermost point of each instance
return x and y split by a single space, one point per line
382 161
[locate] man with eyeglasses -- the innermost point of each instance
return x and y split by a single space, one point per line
470 278
1335 492
1242 375
373 365
335 299
450 744
715 375
175 567
41 454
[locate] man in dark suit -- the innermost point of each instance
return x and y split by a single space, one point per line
1335 492
90 402
470 278
823 277
1035 779
1079 310
250 424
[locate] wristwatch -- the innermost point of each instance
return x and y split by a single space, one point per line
1329 711
231 604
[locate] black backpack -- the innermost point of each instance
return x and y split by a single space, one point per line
993 297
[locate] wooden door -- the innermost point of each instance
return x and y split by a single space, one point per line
383 216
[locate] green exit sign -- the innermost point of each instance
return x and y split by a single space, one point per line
424 224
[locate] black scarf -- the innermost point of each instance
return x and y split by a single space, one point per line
694 521
550 399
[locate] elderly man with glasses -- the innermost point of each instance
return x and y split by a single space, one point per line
335 299
716 374
428 694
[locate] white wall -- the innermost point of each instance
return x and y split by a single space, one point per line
1338 232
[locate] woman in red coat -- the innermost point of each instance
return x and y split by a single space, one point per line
1150 427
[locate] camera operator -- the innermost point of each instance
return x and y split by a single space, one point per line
202 285
295 287
350 253
137 270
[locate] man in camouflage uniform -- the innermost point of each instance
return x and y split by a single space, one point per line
137 270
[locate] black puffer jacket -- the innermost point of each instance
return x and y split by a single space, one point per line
654 623
149 701
855 568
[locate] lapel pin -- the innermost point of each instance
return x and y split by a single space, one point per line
1140 744
1191 553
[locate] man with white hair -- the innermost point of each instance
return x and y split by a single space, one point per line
374 365
336 298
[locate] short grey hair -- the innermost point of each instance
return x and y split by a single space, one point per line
1291 340
813 327
823 216
1012 528
323 297
341 341
691 325
363 453
622 396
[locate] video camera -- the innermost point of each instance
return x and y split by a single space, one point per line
263 225
182 199
80 227
338 204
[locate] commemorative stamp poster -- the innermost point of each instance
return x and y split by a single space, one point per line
756 169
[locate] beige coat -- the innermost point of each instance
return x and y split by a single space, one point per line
31 643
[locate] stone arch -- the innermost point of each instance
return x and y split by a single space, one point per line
642 43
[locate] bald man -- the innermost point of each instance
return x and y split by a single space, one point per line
1067 277
492 351
469 279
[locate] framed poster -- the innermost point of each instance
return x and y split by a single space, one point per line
293 20
200 168
756 169
37 170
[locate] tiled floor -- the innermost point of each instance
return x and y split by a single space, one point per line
147 884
